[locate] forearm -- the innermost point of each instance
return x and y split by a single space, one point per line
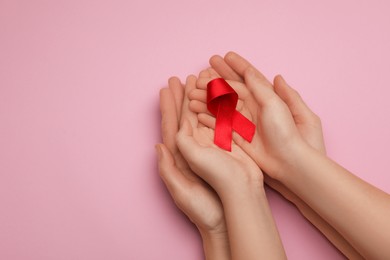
329 232
215 245
251 228
324 227
356 209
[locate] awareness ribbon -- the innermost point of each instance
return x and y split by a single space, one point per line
221 102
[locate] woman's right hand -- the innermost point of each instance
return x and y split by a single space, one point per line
277 138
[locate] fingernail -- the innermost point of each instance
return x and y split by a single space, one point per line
159 151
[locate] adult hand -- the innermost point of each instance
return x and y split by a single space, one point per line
232 67
308 123
276 135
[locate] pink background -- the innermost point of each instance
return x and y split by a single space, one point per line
79 84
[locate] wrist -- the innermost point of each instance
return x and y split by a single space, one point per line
239 197
291 165
248 184
215 244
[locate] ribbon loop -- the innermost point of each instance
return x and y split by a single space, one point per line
221 102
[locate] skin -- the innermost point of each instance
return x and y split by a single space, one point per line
238 181
309 126
190 193
357 210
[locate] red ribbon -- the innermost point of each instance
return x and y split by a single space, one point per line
221 102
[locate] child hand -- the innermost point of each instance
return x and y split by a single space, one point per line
239 183
221 169
191 194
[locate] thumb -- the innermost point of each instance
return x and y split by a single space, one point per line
186 143
178 185
175 181
205 162
261 91
293 100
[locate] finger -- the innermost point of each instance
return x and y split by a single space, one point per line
198 107
293 100
175 181
303 116
206 77
207 120
169 122
261 93
223 69
186 112
213 73
186 143
200 125
202 83
204 74
198 94
198 156
240 65
178 93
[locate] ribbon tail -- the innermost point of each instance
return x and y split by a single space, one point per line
223 136
243 126
224 127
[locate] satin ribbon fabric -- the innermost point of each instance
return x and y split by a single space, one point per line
221 102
